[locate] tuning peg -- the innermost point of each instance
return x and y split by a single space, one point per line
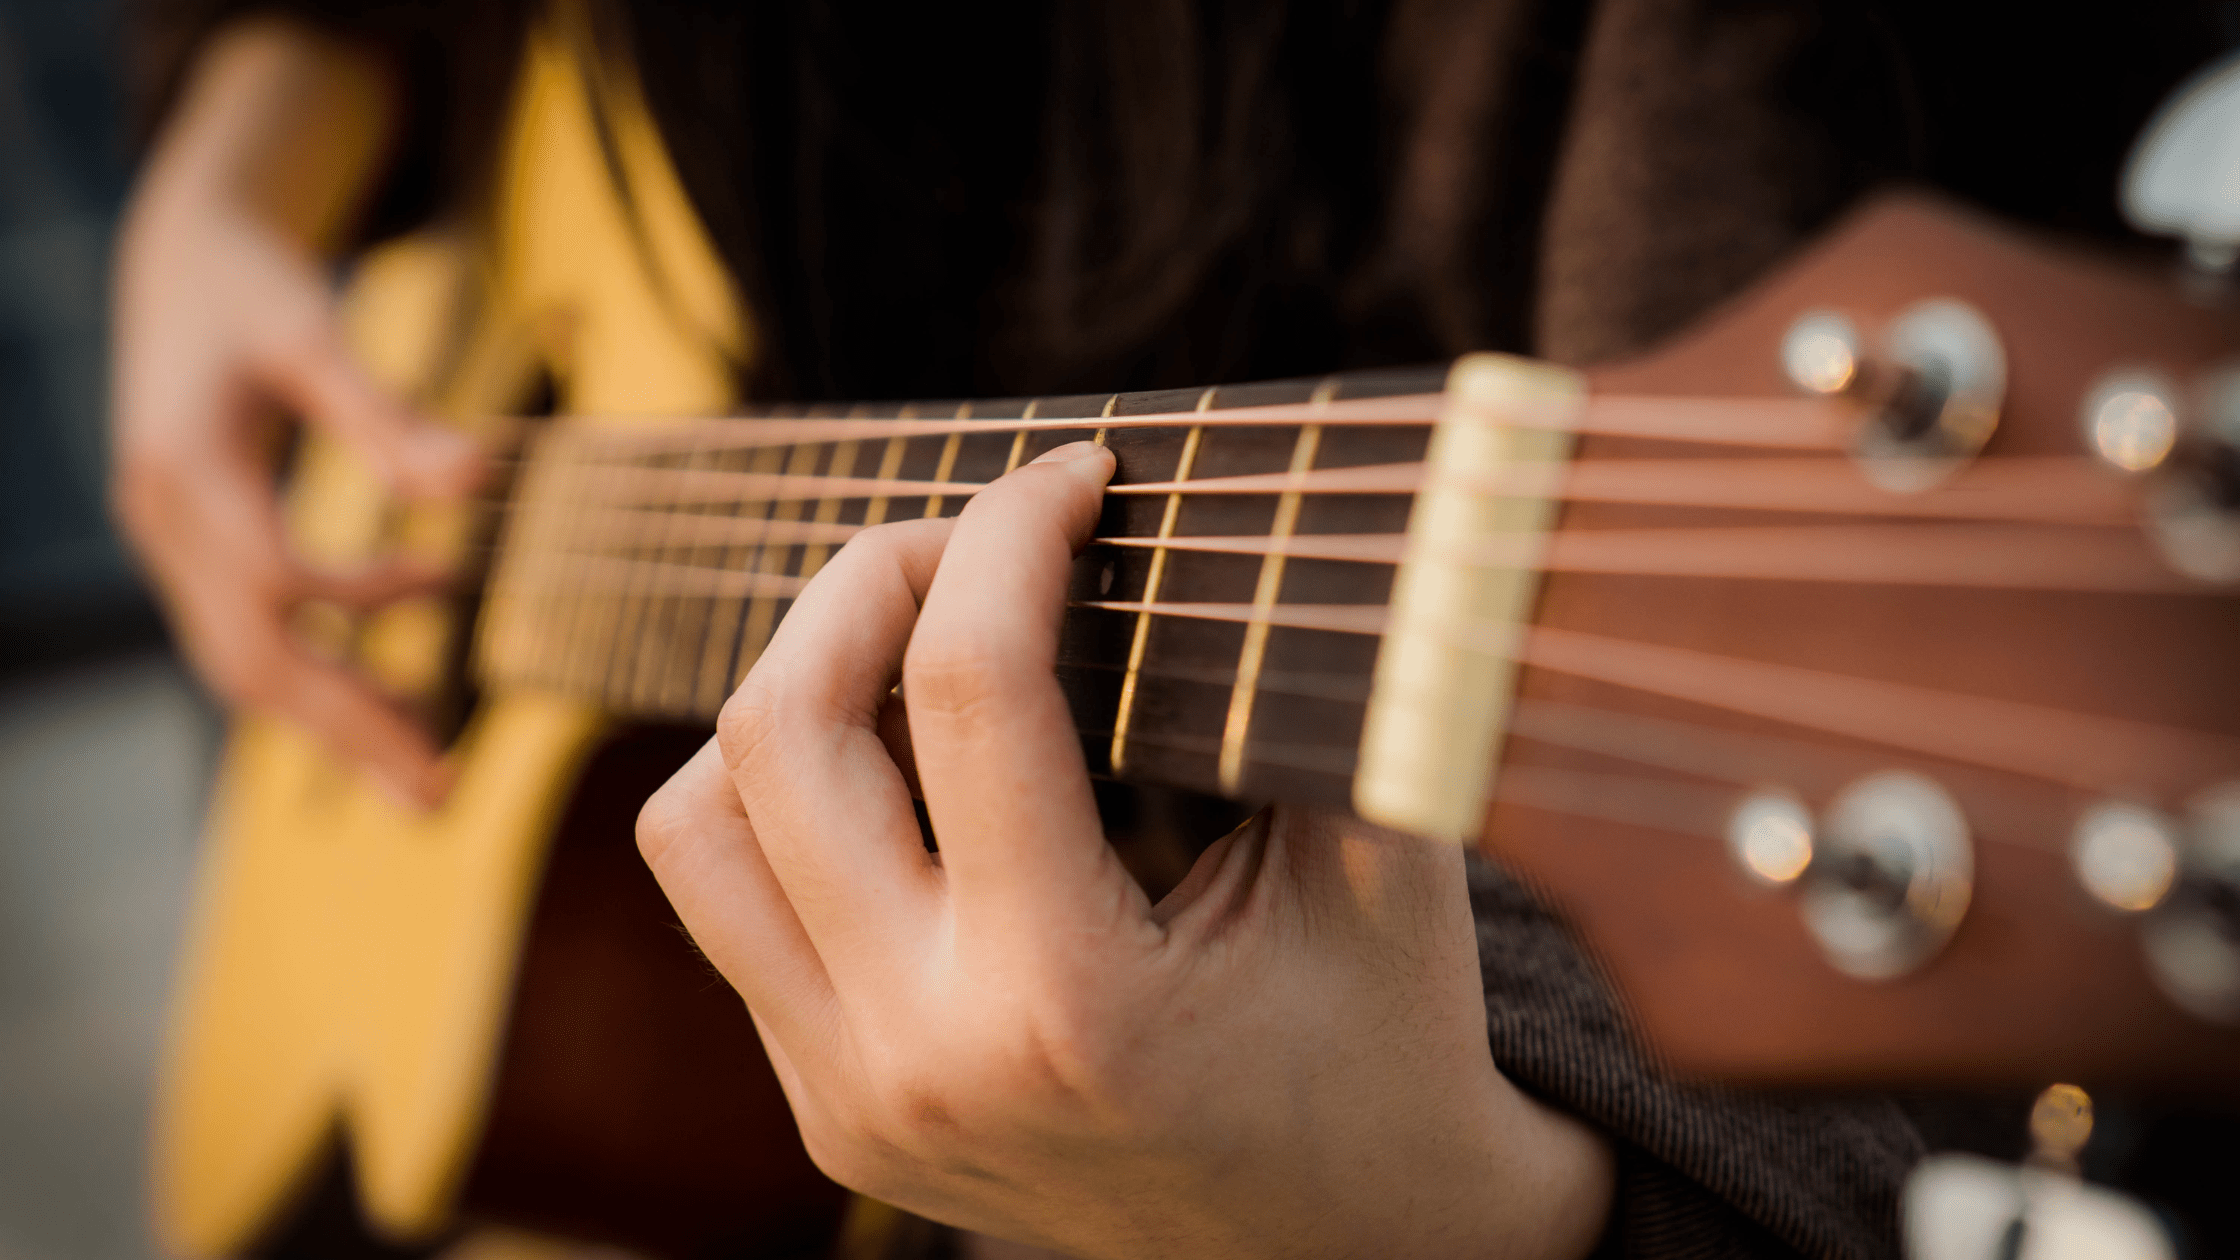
1964 1207
2183 177
2192 939
1769 836
2130 419
1882 883
2125 855
2193 506
1934 387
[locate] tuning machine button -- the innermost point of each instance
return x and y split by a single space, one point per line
1883 881
1769 836
2180 178
2125 855
2192 939
2130 419
1935 387
2193 507
1820 353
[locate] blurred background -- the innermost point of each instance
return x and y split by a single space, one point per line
104 743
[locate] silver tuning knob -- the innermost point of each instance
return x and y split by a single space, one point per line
2125 855
2193 506
2192 939
1934 388
2183 178
1883 881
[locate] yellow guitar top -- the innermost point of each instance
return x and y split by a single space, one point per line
348 965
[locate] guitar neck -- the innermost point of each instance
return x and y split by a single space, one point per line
1760 597
1223 639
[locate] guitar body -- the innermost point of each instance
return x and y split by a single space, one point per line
472 1000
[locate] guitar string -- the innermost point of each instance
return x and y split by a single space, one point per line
1781 423
2048 489
1987 556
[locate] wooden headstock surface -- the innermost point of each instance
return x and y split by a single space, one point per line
2039 982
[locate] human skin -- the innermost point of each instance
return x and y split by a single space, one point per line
226 330
1286 1056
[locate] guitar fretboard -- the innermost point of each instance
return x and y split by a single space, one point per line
1222 640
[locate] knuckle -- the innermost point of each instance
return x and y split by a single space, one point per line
842 1156
956 679
914 1105
884 541
749 720
662 823
1064 1055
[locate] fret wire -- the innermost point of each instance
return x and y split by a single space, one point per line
814 554
947 463
697 617
762 611
563 509
1018 448
498 631
719 646
636 602
651 665
532 523
1142 637
1111 405
503 641
1254 650
601 646
890 463
582 607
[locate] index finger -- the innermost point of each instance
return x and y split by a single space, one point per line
998 756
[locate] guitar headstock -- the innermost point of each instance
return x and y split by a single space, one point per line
1905 743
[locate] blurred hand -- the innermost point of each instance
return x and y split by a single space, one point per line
224 327
1287 1055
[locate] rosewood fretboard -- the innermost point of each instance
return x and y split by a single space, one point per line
646 567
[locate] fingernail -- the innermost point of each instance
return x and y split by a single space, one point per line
1081 453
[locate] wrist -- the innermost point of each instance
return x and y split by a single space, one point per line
1509 1177
277 125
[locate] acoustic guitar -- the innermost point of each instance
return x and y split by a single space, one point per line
1855 671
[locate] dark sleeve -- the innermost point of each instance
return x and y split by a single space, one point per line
1702 1171
454 61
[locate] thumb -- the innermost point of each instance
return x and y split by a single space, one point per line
317 375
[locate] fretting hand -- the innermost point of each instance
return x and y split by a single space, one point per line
1285 1056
